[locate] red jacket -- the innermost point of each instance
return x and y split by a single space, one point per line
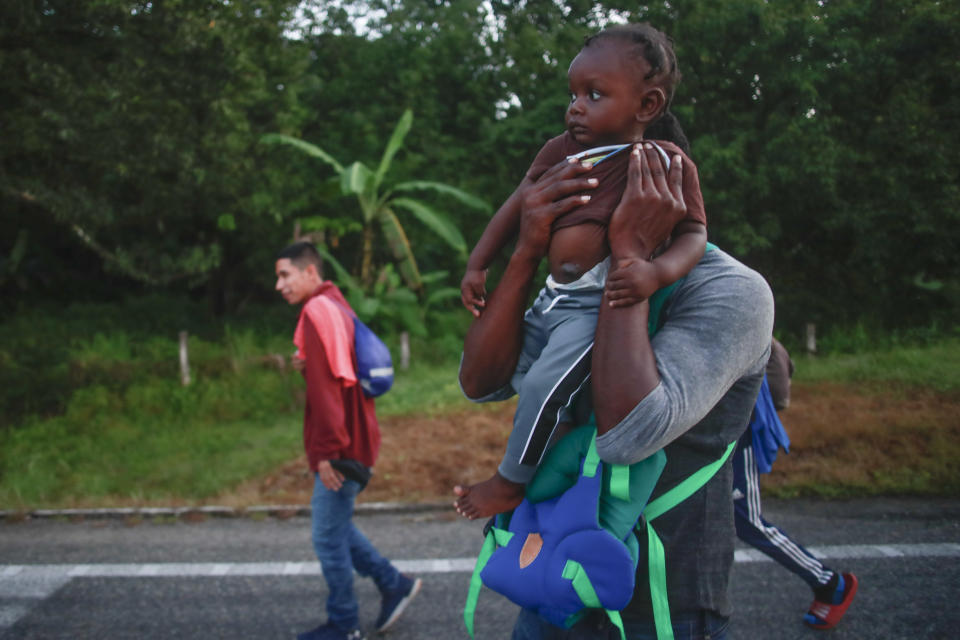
339 421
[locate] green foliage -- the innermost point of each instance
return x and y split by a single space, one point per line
376 205
155 441
47 353
426 388
824 133
824 139
129 129
94 407
389 307
120 426
935 366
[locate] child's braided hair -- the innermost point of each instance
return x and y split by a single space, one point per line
656 49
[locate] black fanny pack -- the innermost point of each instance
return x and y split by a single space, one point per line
353 470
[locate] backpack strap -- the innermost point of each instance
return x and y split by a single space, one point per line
496 537
620 481
573 570
577 575
591 461
656 559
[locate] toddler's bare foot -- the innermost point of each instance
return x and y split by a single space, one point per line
488 498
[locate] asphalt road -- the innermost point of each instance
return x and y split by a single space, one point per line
257 578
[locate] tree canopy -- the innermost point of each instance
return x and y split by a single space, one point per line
825 133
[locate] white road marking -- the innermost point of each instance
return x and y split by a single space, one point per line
849 551
23 586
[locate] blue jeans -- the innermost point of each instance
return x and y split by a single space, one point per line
596 626
342 548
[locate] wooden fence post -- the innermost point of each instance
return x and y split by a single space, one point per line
184 360
811 343
404 350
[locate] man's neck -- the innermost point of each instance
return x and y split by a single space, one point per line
317 289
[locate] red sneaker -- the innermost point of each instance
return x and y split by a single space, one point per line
824 615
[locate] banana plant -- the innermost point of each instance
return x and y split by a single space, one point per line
379 203
389 305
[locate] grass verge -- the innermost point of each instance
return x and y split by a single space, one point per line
158 442
935 366
130 434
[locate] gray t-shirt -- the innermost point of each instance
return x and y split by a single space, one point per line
711 352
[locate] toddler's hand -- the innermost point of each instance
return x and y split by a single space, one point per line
473 290
634 280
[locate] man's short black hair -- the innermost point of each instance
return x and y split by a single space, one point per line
302 254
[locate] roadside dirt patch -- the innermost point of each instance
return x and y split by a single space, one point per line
421 459
845 441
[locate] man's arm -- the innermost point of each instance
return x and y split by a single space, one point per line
717 331
493 342
624 370
648 393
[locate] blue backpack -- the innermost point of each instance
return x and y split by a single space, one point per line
374 365
574 550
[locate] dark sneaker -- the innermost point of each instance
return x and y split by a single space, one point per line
331 631
826 615
394 602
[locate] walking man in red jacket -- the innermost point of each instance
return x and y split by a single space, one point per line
342 438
